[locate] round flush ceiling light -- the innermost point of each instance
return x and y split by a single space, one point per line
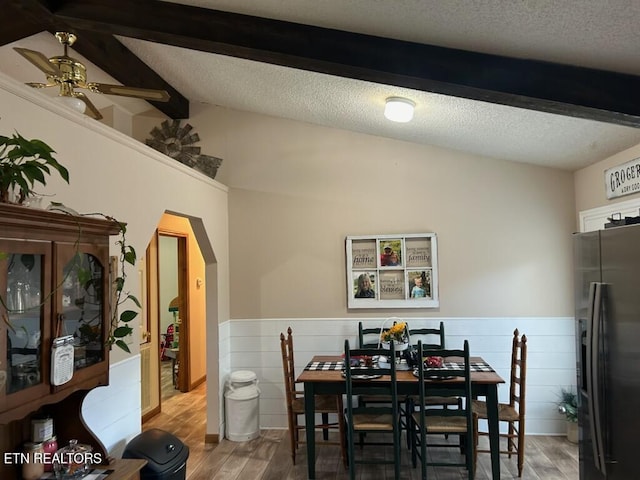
399 109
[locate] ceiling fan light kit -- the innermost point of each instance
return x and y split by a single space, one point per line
68 73
72 102
398 109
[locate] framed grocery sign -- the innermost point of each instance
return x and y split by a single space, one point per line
392 271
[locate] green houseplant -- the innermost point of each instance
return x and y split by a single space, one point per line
568 405
23 163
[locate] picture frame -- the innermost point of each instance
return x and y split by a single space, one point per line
392 271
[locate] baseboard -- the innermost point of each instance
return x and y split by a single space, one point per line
212 438
198 382
151 413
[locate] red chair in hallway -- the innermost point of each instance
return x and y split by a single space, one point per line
166 342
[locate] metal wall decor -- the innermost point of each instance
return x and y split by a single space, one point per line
178 142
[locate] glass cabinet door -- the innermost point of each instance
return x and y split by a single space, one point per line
24 285
81 299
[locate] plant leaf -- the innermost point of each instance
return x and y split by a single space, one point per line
128 315
134 300
123 346
121 332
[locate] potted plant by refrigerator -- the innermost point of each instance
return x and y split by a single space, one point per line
568 405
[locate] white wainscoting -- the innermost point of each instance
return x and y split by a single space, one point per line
113 413
551 365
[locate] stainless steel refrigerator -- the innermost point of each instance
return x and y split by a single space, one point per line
607 283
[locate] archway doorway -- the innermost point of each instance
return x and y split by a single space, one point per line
175 296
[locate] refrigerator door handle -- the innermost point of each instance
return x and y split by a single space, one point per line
594 356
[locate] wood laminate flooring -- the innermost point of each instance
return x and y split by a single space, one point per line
268 458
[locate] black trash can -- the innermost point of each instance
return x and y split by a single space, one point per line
165 454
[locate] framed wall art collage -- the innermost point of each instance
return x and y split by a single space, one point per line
392 271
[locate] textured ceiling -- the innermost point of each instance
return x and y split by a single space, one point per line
593 34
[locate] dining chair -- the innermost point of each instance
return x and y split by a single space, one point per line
513 412
324 405
455 421
368 337
370 422
431 338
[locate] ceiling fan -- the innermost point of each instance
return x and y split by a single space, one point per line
68 74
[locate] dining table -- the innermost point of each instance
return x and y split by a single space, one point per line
323 375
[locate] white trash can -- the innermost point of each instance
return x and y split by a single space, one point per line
242 406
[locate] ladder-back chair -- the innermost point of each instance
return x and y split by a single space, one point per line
325 405
513 412
426 421
371 422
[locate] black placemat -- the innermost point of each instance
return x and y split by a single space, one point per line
324 365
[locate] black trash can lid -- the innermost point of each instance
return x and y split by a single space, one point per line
160 448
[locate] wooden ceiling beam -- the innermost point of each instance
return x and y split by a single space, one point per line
561 89
21 22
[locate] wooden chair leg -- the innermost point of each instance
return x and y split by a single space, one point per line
521 442
512 433
293 436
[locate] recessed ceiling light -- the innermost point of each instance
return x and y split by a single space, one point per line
399 109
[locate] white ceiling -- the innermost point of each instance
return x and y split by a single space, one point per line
591 33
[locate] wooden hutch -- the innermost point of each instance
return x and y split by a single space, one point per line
54 282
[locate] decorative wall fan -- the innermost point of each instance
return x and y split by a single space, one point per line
68 74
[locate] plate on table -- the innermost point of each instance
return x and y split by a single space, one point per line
355 376
431 376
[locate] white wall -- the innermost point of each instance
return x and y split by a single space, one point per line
297 190
113 174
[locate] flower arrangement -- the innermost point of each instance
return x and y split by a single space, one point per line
568 405
396 333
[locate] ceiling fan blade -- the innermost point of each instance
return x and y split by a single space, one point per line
40 61
40 85
92 111
143 93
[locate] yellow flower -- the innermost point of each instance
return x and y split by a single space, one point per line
394 333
